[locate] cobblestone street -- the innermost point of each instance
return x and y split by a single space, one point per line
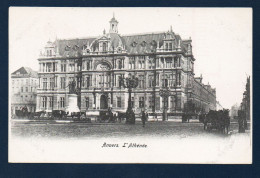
152 129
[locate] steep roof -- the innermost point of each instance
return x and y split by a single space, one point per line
134 44
25 71
142 43
67 47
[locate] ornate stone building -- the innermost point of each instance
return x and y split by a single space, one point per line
98 63
24 87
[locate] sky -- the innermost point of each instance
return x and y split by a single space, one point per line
221 37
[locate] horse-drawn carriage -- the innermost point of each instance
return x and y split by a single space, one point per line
218 120
106 116
22 114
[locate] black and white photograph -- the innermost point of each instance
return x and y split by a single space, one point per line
130 85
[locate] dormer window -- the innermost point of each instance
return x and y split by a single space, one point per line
49 52
143 44
170 46
120 64
67 48
104 47
119 50
134 44
76 47
153 43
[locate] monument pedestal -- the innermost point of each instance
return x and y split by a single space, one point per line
73 104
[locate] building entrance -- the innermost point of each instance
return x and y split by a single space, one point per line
103 102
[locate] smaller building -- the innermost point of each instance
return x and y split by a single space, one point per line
24 83
203 96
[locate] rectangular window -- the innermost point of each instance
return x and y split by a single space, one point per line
170 46
115 80
44 102
55 81
87 102
120 84
141 102
157 103
173 102
150 102
88 65
62 82
157 79
168 62
119 102
62 102
63 67
49 69
26 89
53 67
87 81
175 62
150 82
21 89
52 83
50 102
141 81
45 83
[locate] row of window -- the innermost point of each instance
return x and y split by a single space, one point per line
27 89
106 81
24 81
141 102
118 64
26 98
49 100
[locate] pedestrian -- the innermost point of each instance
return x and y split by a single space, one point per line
143 117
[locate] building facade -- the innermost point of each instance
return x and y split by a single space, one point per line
24 88
246 101
98 64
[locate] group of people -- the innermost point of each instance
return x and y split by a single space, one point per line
218 120
113 117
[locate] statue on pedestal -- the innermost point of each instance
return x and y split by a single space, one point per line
72 87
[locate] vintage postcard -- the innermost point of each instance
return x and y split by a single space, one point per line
130 85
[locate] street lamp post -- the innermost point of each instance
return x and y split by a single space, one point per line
130 83
94 95
164 93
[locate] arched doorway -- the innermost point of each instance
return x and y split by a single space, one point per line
103 102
